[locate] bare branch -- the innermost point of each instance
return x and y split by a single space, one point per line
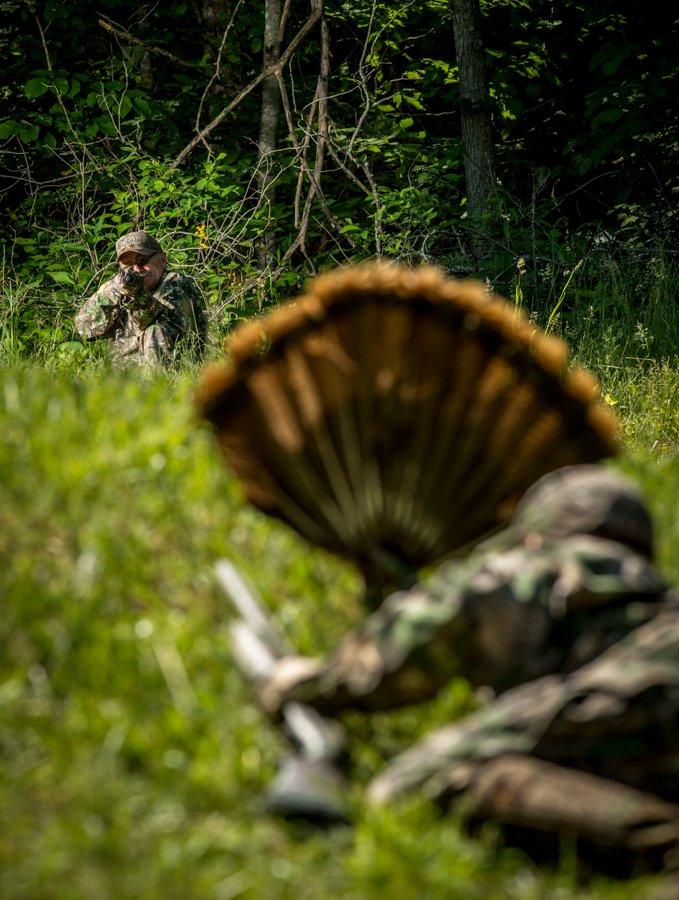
300 154
320 101
283 22
249 88
365 167
364 79
125 35
350 175
60 99
303 154
216 75
322 140
268 126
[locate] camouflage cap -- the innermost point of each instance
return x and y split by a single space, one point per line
585 499
137 242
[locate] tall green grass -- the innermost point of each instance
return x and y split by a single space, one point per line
133 758
610 304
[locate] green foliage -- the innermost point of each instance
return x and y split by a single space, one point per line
582 108
132 756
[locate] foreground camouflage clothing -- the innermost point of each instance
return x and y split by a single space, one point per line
151 328
580 633
497 619
593 754
617 716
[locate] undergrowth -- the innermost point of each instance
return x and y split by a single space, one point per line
133 758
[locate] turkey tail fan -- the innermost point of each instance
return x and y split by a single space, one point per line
395 416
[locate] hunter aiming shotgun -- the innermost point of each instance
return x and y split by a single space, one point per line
309 784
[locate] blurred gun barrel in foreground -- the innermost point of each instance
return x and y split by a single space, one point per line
308 784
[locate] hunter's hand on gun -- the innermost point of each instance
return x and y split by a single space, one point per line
286 682
132 289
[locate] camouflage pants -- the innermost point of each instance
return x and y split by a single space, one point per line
157 344
593 754
152 347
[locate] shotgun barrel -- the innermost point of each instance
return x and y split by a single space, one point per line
309 784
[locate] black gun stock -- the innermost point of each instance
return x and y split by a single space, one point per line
308 784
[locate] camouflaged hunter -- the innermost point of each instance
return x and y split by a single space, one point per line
565 617
148 314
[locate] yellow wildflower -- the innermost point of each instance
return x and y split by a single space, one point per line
201 234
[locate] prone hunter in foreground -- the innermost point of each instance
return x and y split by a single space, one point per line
399 418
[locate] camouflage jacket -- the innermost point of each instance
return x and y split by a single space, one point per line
617 717
499 619
150 328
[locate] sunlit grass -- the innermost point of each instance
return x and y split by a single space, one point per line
132 756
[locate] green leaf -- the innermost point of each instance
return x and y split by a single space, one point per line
414 102
8 128
142 106
611 115
61 277
29 133
59 86
36 87
108 128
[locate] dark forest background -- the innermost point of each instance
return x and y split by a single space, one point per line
354 150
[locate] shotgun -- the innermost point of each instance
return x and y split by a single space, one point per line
309 784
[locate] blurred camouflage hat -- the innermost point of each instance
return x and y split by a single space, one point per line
137 242
585 499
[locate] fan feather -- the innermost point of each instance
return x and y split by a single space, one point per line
395 415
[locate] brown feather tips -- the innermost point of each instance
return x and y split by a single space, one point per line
395 413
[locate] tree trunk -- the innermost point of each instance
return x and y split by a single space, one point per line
477 135
268 125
